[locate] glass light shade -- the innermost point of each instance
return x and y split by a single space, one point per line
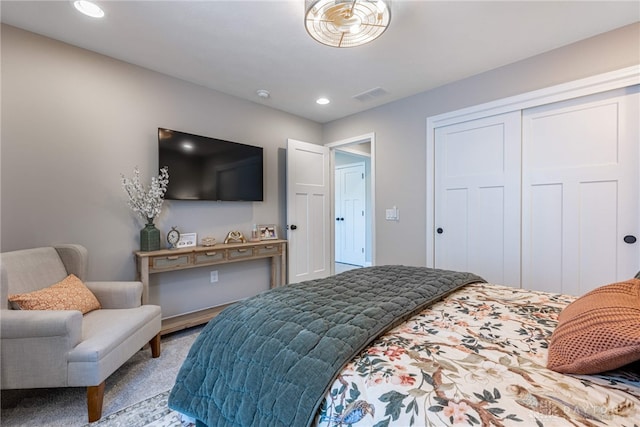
346 23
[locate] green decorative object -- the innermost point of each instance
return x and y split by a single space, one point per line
147 202
149 237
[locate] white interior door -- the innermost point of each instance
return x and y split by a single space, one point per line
477 197
308 210
350 195
581 192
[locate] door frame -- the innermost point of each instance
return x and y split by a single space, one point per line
343 144
625 77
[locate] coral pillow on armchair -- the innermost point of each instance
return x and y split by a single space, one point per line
68 294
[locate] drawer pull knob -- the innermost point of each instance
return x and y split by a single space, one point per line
268 247
210 253
172 258
242 250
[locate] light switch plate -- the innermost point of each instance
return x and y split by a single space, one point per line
392 214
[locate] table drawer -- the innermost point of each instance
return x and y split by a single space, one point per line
169 261
240 253
267 250
209 256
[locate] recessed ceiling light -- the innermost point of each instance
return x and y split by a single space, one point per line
262 93
323 101
88 8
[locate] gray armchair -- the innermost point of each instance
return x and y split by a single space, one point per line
63 348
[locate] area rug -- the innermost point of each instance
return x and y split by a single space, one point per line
152 412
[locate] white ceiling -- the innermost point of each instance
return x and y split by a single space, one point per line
238 47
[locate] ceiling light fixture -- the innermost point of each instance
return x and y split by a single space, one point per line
346 23
88 8
322 101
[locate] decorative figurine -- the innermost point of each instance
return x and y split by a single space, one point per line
208 241
235 237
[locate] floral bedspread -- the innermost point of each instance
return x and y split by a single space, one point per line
477 358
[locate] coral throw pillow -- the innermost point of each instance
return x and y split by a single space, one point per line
599 331
68 294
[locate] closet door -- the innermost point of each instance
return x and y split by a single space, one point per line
477 197
580 192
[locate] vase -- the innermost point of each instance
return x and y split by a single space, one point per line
149 237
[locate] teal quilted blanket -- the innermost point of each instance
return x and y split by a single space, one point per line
269 360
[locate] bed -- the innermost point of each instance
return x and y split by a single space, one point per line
411 346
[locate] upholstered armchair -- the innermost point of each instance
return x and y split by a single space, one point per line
66 348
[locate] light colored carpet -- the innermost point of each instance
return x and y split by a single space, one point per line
141 378
152 412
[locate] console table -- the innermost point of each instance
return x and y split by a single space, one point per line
200 256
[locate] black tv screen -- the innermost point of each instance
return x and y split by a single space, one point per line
203 168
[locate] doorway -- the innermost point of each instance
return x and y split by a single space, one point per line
353 219
350 218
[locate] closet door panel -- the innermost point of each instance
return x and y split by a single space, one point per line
584 136
477 197
586 149
544 246
489 233
454 250
598 245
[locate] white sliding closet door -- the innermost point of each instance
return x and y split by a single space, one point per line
580 195
477 197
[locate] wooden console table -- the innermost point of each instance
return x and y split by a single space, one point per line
201 256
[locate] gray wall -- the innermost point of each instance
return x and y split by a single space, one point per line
73 121
400 129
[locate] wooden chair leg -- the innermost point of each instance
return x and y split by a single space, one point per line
155 346
95 396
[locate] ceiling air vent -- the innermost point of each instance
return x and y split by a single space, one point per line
370 94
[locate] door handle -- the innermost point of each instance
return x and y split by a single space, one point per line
439 230
630 239
293 226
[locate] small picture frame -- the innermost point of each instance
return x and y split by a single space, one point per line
187 240
267 232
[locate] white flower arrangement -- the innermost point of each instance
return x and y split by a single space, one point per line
146 201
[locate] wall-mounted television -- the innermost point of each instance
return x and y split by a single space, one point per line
204 168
